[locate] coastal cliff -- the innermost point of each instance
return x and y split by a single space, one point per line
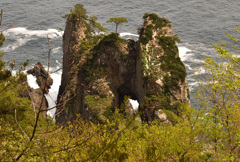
101 71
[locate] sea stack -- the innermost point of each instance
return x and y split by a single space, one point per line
100 71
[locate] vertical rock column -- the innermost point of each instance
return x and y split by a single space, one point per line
44 81
164 72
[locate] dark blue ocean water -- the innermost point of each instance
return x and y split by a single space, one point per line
197 23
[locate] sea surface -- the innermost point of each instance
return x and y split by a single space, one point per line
197 23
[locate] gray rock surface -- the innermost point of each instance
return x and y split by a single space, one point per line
160 115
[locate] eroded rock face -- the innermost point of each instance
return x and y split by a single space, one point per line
122 61
70 99
101 87
39 100
44 80
36 97
98 69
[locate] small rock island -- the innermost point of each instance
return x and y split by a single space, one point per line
102 71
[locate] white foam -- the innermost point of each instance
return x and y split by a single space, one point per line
134 103
52 33
200 70
22 35
128 34
58 62
188 66
193 84
197 61
56 50
184 53
32 81
19 42
53 92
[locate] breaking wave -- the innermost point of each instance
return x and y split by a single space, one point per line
20 36
52 33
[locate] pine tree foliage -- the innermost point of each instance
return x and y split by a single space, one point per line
118 21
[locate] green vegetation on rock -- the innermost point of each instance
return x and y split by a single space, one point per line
98 106
159 22
156 23
147 34
78 14
170 62
2 39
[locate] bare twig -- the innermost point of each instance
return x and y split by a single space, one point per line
7 28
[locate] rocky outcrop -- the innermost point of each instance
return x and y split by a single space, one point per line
129 109
39 101
72 89
122 64
164 72
160 115
103 68
37 96
44 80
